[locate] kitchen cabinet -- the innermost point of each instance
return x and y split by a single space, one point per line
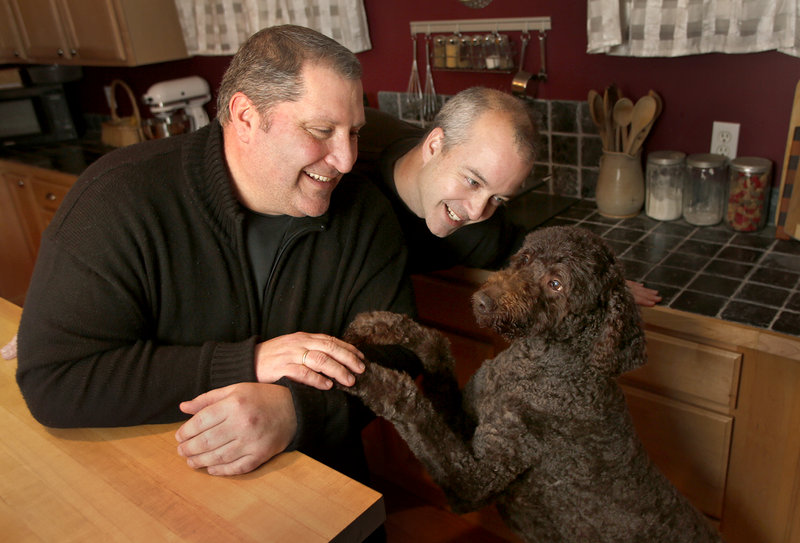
716 407
10 44
99 32
29 197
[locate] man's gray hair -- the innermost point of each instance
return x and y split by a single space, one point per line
267 67
460 112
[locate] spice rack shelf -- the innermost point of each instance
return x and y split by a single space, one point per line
453 59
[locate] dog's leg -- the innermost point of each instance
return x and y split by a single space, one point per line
471 472
433 350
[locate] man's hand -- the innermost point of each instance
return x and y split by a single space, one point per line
644 296
308 358
237 428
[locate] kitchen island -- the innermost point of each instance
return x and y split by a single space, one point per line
110 484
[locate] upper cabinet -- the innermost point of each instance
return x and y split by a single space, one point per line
93 32
10 44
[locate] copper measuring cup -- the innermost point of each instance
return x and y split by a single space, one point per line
519 85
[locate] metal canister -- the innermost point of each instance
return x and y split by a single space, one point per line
749 183
666 171
705 188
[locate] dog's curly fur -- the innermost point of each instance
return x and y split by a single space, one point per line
542 430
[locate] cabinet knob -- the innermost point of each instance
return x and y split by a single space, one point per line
73 52
50 196
20 183
60 52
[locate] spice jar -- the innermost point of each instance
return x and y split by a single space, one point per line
666 171
452 51
491 52
705 188
478 60
439 52
465 52
749 183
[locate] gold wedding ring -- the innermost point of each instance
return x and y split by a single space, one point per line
305 354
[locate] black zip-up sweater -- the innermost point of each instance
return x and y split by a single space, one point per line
142 296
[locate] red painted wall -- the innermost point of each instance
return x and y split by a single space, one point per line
755 90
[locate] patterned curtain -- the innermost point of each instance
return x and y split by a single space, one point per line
671 28
219 27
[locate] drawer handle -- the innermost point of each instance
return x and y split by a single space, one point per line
50 196
20 183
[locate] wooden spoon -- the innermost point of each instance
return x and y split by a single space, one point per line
598 116
623 114
639 140
643 113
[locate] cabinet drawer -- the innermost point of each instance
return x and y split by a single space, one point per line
688 371
690 445
48 196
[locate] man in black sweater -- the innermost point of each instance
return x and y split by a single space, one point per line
207 276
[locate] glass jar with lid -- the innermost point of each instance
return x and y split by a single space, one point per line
749 183
705 188
439 52
666 171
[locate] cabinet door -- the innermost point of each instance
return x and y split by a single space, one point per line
41 30
690 445
93 30
10 45
16 255
21 195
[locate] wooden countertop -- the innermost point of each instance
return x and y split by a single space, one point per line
108 484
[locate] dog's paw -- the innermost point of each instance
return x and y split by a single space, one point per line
378 328
387 328
385 391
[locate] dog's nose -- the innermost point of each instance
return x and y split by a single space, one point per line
482 302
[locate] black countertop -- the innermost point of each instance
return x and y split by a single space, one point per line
69 157
748 278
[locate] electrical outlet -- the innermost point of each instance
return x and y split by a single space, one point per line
725 138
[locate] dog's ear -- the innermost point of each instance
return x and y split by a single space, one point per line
621 345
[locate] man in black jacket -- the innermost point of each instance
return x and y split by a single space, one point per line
448 184
206 276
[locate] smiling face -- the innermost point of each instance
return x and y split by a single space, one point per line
290 162
466 183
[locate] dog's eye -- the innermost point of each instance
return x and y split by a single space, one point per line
555 284
524 259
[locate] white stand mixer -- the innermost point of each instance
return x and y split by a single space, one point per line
187 93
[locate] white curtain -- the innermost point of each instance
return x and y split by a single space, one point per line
671 28
219 27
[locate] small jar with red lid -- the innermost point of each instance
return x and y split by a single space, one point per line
749 184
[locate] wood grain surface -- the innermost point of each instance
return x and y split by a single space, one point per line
129 484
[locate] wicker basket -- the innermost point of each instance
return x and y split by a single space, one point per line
122 131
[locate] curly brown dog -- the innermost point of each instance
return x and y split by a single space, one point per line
542 430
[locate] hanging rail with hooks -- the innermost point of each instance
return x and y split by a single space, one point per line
514 24
459 27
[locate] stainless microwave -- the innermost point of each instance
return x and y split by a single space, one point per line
37 114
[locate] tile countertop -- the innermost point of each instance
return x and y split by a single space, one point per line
748 278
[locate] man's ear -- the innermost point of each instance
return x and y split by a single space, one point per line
244 116
433 143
